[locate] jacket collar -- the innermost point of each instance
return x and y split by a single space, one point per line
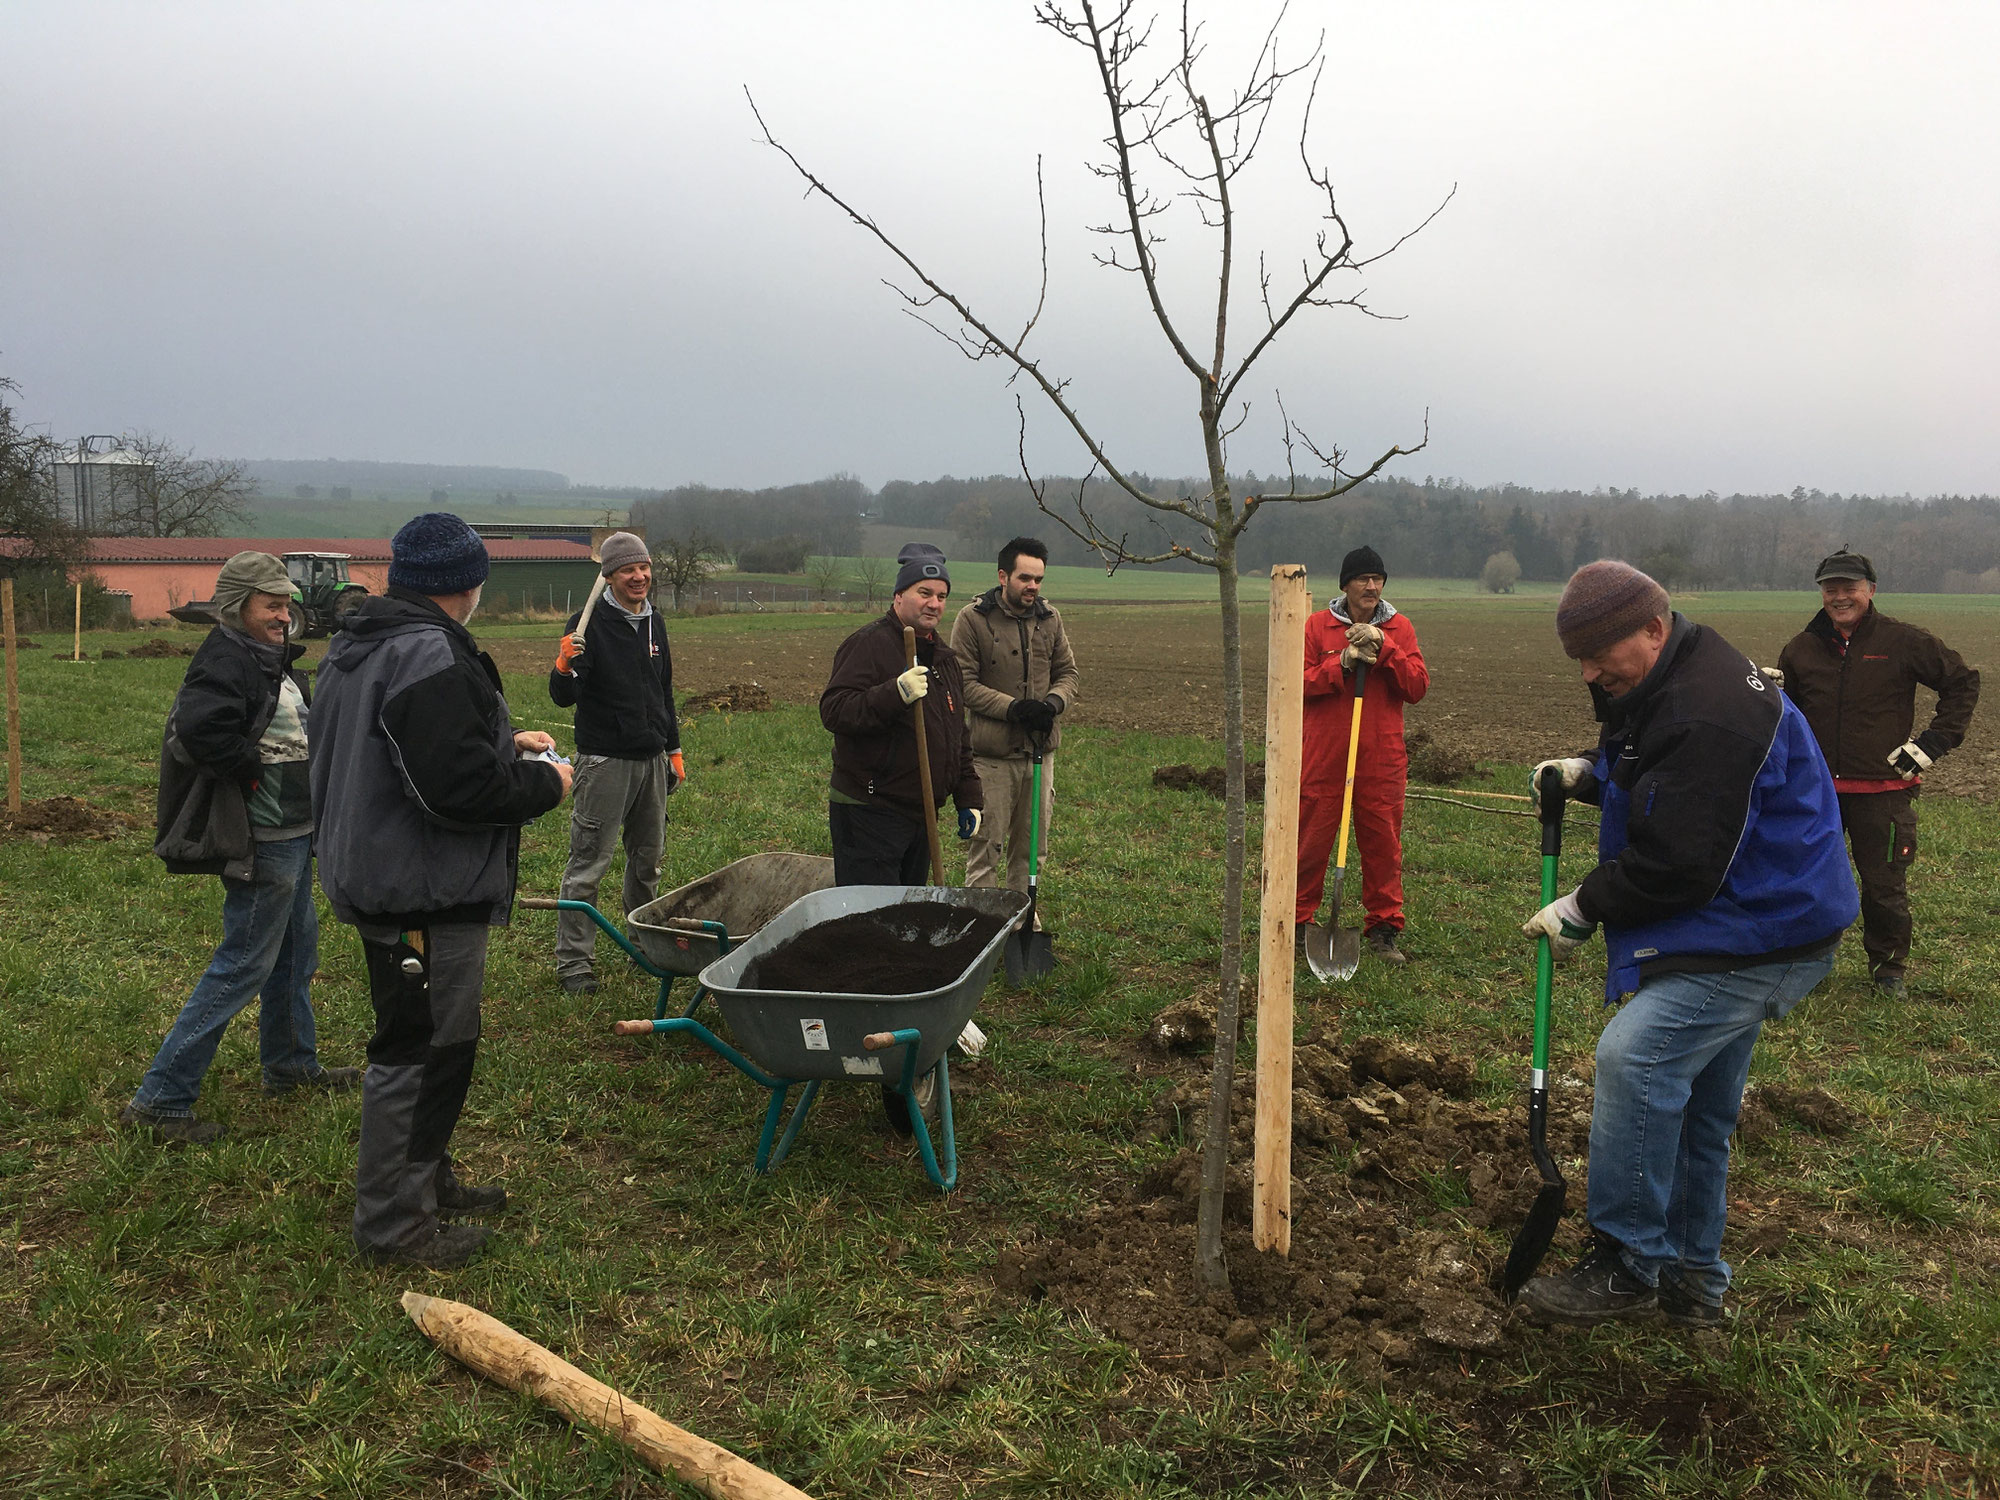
1822 626
991 601
1384 611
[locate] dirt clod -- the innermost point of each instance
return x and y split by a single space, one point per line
1211 779
159 648
1814 1109
60 819
1185 1026
1437 764
730 698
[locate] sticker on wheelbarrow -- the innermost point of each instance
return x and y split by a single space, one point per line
862 1067
815 1035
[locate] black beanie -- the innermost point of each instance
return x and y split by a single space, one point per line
437 553
920 560
1361 560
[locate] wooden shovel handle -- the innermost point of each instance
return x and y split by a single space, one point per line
924 765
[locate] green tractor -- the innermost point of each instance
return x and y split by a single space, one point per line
322 594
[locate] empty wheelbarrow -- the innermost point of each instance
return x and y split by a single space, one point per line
802 1038
682 932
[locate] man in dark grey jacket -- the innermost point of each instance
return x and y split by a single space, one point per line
421 784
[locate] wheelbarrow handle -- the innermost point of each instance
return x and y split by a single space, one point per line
632 1028
878 1041
538 903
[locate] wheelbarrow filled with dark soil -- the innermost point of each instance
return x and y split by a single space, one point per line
865 982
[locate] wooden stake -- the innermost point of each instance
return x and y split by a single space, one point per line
79 620
13 698
494 1350
1284 717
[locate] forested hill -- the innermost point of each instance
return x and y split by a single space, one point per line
1434 528
283 476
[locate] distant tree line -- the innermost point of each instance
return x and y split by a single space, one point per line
823 517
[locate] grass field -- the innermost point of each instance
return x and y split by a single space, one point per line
194 1323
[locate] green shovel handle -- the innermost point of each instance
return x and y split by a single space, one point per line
1549 807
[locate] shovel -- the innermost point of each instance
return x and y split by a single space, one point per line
1532 1243
1333 951
1030 954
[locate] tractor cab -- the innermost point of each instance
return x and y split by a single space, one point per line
322 589
310 570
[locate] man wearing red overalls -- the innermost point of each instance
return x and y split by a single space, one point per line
1358 626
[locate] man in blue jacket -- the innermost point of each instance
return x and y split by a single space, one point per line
420 784
1722 887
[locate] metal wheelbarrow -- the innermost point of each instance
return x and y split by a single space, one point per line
683 931
801 1039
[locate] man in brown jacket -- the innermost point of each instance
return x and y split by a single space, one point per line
1022 674
875 806
1854 672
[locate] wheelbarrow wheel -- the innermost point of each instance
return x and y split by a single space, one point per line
898 1116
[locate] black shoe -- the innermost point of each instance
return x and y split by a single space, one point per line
172 1130
458 1199
579 984
1597 1289
450 1247
1679 1304
326 1080
1381 942
1891 987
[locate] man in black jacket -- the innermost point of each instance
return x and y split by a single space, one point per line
234 802
421 784
628 746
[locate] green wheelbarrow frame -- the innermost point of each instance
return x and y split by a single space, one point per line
666 976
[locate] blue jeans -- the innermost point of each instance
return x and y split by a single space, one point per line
1671 1066
270 944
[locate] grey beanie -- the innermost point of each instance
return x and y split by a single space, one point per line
619 550
245 574
1604 602
919 560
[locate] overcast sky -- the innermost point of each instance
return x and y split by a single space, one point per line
1693 245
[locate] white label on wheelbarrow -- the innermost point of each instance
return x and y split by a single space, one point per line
862 1067
815 1035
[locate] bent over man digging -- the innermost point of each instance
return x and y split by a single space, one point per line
618 675
421 784
1723 889
875 807
1358 625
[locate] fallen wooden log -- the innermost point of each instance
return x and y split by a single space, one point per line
491 1348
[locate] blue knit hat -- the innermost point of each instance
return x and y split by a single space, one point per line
919 560
437 553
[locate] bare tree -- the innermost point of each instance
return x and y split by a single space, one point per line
871 576
686 561
825 573
30 514
173 493
1163 128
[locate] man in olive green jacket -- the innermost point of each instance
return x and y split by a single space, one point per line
1020 675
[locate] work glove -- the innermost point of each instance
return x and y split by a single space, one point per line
676 771
1907 759
1355 654
969 819
1773 675
913 684
1366 639
1054 705
1022 711
1562 922
567 653
1575 772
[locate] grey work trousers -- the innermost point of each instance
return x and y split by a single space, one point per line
608 797
1008 785
419 1068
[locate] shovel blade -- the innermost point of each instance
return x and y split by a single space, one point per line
1538 1231
1333 953
1028 955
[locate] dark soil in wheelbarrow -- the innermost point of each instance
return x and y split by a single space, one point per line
894 950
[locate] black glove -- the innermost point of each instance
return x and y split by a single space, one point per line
1054 705
1041 718
1021 711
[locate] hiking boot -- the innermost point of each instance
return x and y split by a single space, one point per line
1381 942
1597 1289
325 1081
448 1248
1679 1304
579 984
458 1199
172 1130
1891 987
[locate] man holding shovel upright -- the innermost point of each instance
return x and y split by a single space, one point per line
615 670
876 815
1023 675
1723 889
1358 626
420 785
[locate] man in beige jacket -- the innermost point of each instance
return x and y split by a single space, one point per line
1019 677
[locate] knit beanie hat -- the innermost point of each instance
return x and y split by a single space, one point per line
620 549
1603 603
1361 560
919 560
245 574
437 553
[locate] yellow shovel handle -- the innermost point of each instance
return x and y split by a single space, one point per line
1353 756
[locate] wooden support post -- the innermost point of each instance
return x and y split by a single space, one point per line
1284 716
13 699
494 1350
79 620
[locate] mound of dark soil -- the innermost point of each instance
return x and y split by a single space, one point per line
893 950
1211 779
1810 1109
730 698
1395 1189
63 819
1436 763
23 643
157 649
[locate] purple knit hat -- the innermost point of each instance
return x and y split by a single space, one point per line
1603 603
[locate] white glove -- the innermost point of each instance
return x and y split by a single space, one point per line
1366 639
913 684
1562 923
1355 654
1775 676
1575 772
1908 759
